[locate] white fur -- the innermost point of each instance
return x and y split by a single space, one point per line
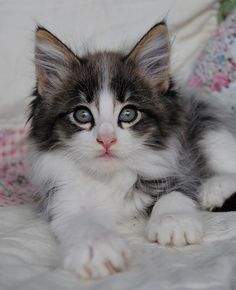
220 150
175 221
216 190
93 250
108 113
81 189
152 165
106 105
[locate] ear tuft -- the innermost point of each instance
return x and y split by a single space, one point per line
152 54
53 60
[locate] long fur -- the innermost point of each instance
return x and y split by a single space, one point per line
162 163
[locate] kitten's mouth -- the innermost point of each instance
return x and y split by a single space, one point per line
106 155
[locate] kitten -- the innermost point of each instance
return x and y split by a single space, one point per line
113 139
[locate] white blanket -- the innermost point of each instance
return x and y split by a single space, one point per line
29 258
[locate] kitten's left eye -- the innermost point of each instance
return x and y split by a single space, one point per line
83 115
128 115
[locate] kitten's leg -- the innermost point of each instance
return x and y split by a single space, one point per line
90 247
175 221
216 190
220 150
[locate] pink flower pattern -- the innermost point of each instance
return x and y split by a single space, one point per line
15 187
216 67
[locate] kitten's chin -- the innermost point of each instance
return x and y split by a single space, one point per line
104 165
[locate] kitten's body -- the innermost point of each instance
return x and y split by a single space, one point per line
175 157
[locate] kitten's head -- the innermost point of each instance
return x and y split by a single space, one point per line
106 110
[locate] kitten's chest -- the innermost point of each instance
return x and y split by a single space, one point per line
111 193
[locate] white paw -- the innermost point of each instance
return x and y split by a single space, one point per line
211 199
176 229
215 191
98 255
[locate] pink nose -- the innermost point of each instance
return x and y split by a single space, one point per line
106 141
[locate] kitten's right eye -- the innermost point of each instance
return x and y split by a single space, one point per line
129 115
83 116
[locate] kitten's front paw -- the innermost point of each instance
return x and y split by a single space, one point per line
177 229
98 256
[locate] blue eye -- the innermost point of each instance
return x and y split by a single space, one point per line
83 115
128 114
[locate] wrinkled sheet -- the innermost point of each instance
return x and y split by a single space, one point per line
30 258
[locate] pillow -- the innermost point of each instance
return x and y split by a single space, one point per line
215 72
107 23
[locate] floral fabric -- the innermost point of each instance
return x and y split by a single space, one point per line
15 187
216 67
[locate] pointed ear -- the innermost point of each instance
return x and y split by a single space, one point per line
53 61
152 54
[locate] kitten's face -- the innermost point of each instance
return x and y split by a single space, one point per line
105 111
